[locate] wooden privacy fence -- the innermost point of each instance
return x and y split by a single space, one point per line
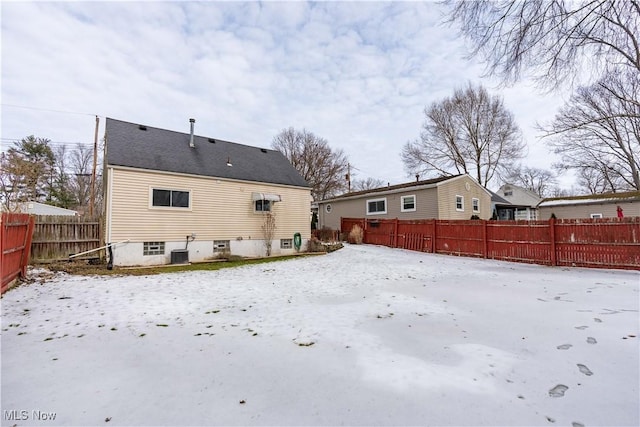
56 237
15 241
602 243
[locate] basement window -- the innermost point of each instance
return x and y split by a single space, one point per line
286 243
596 215
153 248
221 246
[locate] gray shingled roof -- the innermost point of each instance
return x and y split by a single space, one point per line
164 150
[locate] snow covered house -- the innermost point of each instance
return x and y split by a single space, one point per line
173 197
450 197
592 206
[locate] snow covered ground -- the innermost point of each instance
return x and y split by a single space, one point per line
363 336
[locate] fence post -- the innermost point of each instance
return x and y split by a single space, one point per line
433 237
552 237
27 246
485 244
395 233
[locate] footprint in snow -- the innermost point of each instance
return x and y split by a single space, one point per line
584 369
558 391
583 327
564 347
591 340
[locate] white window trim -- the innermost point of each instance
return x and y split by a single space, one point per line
170 208
462 203
415 203
596 216
377 200
475 199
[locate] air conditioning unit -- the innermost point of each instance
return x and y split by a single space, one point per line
179 256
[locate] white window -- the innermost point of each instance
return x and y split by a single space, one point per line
220 246
328 208
460 203
153 248
476 204
286 243
166 198
263 205
377 206
408 203
596 215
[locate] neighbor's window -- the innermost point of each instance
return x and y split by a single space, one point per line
459 203
328 208
595 216
476 205
153 248
221 246
170 198
376 206
286 243
408 203
263 205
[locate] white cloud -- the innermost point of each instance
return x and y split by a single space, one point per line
357 73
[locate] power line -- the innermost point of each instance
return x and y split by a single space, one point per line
48 109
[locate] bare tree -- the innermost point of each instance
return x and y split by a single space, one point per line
597 133
323 168
471 132
553 40
543 182
366 184
268 230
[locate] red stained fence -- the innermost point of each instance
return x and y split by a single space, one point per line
603 243
16 231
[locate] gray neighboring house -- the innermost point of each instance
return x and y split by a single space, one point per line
451 197
592 206
167 193
523 203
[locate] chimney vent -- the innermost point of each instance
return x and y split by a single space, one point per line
417 177
191 144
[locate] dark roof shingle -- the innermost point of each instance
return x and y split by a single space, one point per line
164 150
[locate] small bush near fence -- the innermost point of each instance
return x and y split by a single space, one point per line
356 235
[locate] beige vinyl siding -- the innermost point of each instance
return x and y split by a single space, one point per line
219 209
447 192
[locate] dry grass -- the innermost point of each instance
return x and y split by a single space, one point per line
356 235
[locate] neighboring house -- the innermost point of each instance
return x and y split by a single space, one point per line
523 203
592 206
36 208
499 206
168 191
453 197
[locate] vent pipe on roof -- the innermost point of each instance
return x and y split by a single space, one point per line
191 144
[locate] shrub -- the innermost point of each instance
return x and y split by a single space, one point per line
356 235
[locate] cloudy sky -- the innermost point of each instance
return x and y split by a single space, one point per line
358 74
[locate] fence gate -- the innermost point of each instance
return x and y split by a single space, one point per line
15 241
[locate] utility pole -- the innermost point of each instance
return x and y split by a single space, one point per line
348 177
93 174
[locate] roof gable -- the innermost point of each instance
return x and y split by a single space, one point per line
145 147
